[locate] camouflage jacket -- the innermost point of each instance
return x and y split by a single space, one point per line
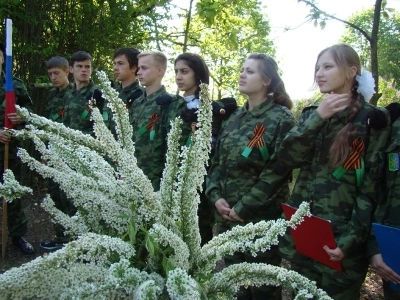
347 205
133 89
221 111
22 99
242 178
151 124
55 104
76 109
388 210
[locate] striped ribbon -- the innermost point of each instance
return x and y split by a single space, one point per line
257 140
150 126
354 162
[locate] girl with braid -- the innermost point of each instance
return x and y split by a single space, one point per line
338 147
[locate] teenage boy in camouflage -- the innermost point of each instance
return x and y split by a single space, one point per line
77 110
17 223
150 116
75 114
58 71
125 71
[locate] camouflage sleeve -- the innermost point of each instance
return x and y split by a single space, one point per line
359 226
388 210
213 191
269 181
297 147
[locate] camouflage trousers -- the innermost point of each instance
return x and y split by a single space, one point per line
389 293
65 205
269 257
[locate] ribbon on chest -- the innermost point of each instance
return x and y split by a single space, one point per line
257 141
355 161
150 126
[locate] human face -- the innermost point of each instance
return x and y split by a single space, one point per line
330 77
185 78
149 72
122 71
251 81
82 70
58 77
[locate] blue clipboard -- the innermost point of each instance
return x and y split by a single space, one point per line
388 239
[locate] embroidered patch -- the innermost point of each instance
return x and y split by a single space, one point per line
393 161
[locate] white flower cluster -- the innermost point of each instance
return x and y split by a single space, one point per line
252 274
11 189
101 176
254 238
181 286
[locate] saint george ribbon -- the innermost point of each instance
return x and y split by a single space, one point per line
150 126
257 141
354 162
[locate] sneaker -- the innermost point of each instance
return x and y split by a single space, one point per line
51 245
23 245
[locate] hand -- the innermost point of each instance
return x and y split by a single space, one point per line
4 137
224 209
332 104
335 254
234 216
384 270
15 119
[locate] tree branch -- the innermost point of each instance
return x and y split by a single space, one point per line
364 33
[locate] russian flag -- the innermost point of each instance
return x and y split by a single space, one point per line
10 94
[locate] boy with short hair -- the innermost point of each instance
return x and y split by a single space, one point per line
58 71
150 116
125 71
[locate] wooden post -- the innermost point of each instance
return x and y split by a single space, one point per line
5 219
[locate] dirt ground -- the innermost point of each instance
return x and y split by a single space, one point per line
40 228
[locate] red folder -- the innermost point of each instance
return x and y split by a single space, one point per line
311 236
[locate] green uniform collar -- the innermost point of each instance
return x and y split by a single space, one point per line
258 110
154 95
85 88
128 88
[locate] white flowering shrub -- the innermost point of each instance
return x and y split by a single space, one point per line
132 242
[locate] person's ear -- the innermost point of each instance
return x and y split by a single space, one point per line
267 82
353 72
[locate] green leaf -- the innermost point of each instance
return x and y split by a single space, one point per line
150 245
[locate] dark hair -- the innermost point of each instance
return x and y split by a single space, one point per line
199 67
79 56
346 58
269 69
131 55
57 62
3 49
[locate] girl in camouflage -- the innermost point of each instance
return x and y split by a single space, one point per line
237 183
190 71
337 146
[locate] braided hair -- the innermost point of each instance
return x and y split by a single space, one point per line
346 58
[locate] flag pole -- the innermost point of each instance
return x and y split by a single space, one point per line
10 107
